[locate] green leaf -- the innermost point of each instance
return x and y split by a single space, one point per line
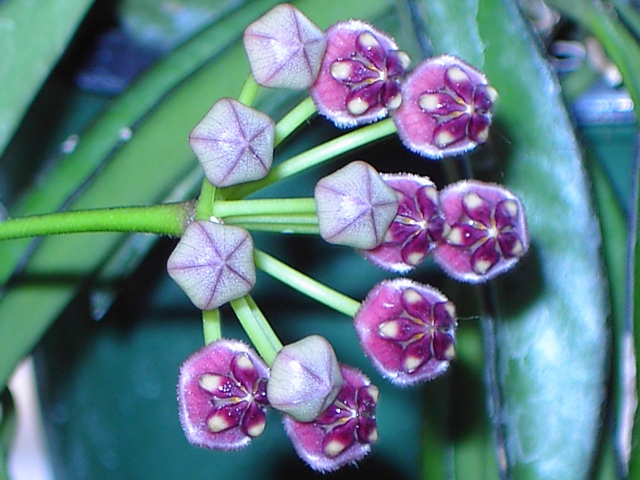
33 35
551 336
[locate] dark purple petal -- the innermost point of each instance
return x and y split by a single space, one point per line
479 128
399 329
440 104
477 208
254 420
464 235
360 100
510 244
458 80
506 214
370 47
351 72
416 249
451 131
339 438
485 257
443 346
390 95
416 354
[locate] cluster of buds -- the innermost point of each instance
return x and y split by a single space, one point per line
355 74
474 230
328 409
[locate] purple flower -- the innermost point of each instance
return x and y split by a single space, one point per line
355 206
222 395
408 330
344 432
416 228
487 231
446 109
305 378
233 143
285 48
359 80
213 263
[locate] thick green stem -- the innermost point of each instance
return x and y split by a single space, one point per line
322 153
264 206
163 219
306 285
257 327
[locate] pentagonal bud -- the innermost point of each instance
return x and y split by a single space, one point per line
213 263
284 48
305 378
233 143
355 206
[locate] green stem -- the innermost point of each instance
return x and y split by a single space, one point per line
294 119
211 326
249 91
204 207
264 206
317 155
162 219
306 285
257 327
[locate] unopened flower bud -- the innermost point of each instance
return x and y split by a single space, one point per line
355 206
213 263
285 48
233 143
305 378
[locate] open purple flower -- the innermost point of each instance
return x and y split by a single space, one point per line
233 143
305 378
447 108
222 395
355 206
487 231
285 48
359 80
416 228
213 263
344 432
408 330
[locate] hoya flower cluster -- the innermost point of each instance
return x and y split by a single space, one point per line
356 75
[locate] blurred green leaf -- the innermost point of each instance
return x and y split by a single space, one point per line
33 35
552 341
